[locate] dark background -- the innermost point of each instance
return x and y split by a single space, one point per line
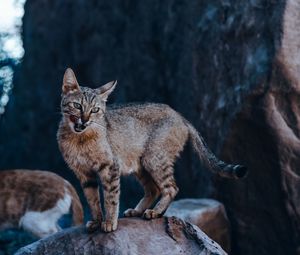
227 66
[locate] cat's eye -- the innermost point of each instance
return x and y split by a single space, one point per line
95 110
77 106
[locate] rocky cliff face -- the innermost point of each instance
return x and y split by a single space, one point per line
266 135
230 67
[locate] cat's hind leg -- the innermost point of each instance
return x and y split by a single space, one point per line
163 148
151 194
168 188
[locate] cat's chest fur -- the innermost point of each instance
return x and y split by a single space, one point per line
85 152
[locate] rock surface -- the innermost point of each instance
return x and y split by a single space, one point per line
208 214
265 207
163 236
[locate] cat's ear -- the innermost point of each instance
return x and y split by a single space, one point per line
70 83
105 90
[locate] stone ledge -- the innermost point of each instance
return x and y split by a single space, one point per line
162 236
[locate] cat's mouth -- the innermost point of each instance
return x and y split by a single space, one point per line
79 127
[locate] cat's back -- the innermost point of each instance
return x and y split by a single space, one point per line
148 113
28 180
135 129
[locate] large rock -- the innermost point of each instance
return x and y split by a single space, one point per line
134 236
208 214
264 209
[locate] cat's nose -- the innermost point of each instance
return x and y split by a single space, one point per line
84 122
84 119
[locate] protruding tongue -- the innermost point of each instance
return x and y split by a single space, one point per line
73 118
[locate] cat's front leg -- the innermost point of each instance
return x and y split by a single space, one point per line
90 188
110 178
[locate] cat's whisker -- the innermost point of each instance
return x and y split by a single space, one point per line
98 124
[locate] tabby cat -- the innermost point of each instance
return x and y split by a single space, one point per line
35 200
141 139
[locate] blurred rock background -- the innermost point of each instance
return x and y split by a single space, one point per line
230 67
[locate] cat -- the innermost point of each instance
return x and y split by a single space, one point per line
35 200
141 139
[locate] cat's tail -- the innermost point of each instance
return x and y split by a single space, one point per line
77 211
210 160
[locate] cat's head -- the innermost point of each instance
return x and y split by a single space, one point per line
83 107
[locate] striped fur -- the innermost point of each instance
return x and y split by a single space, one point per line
142 139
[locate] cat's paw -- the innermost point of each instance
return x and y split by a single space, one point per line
92 225
151 214
109 226
132 213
